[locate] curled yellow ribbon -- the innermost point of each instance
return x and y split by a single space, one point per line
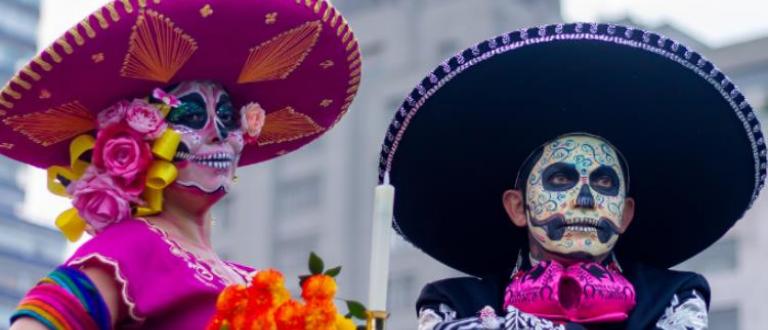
79 146
71 224
165 147
55 176
154 202
161 173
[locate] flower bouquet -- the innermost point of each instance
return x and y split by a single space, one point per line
265 304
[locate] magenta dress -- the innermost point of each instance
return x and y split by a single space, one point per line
163 285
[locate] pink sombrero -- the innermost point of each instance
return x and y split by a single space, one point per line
297 58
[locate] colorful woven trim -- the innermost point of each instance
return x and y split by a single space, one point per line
65 299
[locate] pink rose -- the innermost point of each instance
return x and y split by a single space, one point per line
252 119
124 155
99 200
145 119
113 114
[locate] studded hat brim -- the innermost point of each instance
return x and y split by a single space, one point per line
694 147
298 59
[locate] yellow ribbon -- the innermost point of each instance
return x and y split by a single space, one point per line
71 224
55 185
154 202
165 147
161 174
79 146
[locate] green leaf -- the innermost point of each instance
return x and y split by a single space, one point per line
356 309
316 265
333 272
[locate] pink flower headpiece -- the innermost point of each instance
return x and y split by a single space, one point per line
129 167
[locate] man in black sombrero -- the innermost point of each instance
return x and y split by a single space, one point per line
568 167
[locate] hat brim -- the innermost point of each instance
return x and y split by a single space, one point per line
694 149
299 60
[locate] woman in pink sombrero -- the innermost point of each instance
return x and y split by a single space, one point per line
141 114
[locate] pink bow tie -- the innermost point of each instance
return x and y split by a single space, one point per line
582 293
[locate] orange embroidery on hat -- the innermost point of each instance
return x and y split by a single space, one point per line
6 145
325 103
206 11
287 125
77 36
101 19
128 6
65 45
279 57
113 12
86 24
53 125
28 71
326 64
157 49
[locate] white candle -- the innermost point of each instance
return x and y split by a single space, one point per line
383 204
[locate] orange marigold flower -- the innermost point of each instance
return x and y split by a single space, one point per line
291 316
343 323
318 287
321 315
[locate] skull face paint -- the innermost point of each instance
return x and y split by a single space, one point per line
211 136
575 197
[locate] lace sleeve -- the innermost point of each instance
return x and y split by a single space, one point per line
686 311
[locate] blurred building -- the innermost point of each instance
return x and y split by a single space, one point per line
735 265
27 251
319 198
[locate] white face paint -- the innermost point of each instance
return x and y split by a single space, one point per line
211 136
575 197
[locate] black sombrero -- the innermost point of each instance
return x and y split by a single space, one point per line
693 145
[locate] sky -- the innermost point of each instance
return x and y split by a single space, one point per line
714 22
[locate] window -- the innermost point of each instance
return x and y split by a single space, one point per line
724 319
720 257
297 195
402 292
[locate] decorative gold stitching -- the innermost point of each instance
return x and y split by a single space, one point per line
318 5
327 13
142 3
335 19
11 92
78 37
158 49
356 71
270 18
206 11
42 63
341 27
100 18
354 80
278 57
21 82
44 94
352 89
351 44
53 125
6 145
86 24
326 102
308 2
355 63
54 55
97 58
5 103
28 71
113 12
352 56
326 64
346 37
127 5
287 125
65 45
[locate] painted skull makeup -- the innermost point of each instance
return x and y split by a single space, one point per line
575 196
211 136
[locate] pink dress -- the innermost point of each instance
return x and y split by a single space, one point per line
163 285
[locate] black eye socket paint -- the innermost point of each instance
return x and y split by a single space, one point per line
226 113
560 170
190 113
601 172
